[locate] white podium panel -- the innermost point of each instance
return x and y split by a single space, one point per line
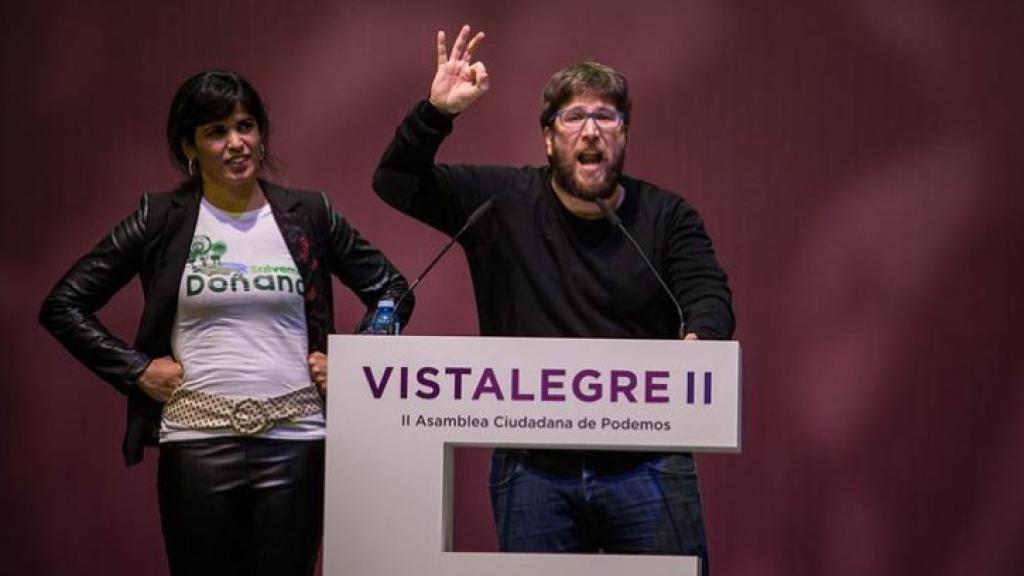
397 404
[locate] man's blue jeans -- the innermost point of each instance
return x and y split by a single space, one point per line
592 501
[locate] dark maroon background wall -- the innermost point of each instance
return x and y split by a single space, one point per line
857 163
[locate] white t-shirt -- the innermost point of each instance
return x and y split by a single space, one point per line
240 329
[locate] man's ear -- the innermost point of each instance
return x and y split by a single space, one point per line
548 146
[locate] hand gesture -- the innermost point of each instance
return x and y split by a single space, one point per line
458 82
318 371
161 378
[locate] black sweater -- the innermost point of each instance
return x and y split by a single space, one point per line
538 270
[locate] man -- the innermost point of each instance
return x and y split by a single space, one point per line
545 262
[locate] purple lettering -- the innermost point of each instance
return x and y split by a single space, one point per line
457 382
654 383
376 386
623 382
488 384
589 391
516 394
433 389
550 390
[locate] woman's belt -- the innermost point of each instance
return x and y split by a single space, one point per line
200 410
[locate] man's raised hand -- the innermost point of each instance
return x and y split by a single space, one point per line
459 81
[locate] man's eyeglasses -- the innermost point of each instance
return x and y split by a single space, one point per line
574 118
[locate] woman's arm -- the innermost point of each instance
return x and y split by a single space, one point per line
69 310
365 270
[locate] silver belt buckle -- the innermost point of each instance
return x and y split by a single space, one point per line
249 416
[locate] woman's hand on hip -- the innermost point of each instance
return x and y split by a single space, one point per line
161 378
318 371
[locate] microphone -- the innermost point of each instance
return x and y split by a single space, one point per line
476 215
614 220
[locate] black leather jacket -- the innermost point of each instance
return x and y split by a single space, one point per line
153 243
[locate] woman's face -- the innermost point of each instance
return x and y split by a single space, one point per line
227 152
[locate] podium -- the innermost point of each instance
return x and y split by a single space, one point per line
398 406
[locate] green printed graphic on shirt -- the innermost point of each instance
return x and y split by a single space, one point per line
208 271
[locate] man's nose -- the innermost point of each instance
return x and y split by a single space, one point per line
589 127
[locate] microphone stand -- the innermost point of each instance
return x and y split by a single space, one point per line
614 220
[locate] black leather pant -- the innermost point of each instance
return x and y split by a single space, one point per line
241 506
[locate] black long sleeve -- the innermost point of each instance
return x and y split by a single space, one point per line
540 271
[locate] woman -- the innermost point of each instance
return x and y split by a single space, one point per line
228 370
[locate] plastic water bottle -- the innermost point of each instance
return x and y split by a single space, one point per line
384 319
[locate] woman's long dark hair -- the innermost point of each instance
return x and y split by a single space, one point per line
208 97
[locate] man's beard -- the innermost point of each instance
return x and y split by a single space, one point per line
562 167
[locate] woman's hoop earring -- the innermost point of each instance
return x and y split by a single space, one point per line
191 167
263 152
